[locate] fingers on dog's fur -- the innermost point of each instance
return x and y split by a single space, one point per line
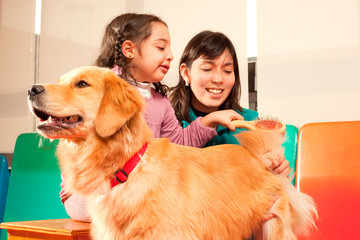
119 103
294 216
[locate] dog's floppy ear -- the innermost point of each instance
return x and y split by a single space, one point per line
119 104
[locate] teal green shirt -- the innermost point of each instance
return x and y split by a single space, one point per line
225 136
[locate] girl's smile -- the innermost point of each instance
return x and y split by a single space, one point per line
214 91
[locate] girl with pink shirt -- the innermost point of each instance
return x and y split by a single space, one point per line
137 48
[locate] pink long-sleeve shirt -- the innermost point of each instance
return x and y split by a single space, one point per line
161 119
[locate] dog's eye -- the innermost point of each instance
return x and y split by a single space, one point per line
82 84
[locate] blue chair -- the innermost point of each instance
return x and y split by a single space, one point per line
4 182
34 186
290 146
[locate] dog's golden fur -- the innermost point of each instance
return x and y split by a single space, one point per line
175 192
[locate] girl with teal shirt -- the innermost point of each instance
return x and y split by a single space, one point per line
209 81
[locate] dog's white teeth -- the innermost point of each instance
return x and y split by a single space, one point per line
50 119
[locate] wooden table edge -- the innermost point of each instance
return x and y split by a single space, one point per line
43 229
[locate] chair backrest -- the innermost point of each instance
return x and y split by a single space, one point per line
4 181
290 147
328 169
34 186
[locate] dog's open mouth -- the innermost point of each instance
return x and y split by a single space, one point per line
50 121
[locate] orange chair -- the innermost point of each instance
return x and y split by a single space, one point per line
328 169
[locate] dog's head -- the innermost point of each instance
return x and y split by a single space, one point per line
84 100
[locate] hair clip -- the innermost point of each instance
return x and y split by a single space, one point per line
117 70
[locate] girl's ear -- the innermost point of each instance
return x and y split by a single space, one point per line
128 49
184 71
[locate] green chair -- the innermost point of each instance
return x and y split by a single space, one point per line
34 185
4 182
290 146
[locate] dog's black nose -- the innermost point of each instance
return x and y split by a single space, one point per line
35 90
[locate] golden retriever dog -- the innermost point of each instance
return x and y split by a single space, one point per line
169 191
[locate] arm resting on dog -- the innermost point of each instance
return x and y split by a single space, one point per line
75 205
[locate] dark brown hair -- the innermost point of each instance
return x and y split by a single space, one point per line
129 26
209 45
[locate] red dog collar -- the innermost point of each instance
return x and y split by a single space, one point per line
123 173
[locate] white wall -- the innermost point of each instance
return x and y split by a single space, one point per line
308 60
16 68
71 34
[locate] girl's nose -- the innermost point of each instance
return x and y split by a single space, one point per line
216 77
170 56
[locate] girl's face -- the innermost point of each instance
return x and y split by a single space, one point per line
152 61
210 81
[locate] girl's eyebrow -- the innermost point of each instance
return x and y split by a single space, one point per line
213 62
162 39
208 61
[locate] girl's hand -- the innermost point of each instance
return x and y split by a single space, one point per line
281 166
64 194
223 118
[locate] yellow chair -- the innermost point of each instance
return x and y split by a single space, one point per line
328 169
